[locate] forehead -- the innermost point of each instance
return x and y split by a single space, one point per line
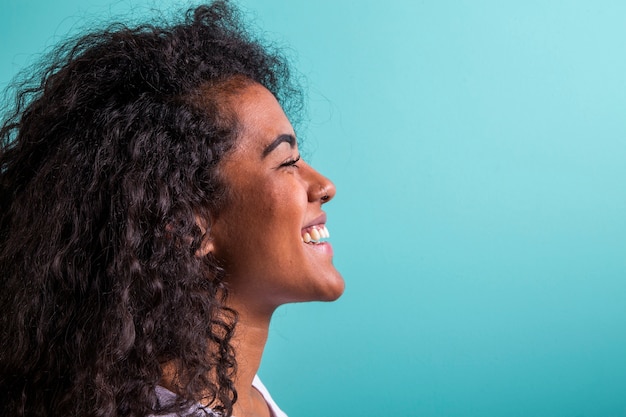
260 117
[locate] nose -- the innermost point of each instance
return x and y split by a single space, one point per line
320 188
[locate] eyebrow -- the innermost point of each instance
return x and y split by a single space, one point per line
290 139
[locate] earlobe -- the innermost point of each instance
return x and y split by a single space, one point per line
206 247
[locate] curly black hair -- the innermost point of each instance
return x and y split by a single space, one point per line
108 159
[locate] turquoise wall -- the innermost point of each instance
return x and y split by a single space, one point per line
479 152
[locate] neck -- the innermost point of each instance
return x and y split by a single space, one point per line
249 342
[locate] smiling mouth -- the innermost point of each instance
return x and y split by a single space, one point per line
313 235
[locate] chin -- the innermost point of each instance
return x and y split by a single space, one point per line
331 298
333 291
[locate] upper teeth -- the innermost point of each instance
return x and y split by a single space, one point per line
315 234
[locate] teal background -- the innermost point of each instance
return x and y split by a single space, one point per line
479 151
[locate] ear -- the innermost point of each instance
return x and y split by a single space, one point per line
207 246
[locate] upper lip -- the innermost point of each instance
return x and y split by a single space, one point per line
321 219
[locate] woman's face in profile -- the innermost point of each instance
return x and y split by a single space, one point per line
275 200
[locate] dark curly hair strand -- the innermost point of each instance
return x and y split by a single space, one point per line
106 165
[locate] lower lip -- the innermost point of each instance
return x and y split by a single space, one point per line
324 247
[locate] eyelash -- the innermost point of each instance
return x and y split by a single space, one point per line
291 162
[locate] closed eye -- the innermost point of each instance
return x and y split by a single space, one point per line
291 162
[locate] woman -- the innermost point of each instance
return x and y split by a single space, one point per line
154 212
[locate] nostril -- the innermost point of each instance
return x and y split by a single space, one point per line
324 193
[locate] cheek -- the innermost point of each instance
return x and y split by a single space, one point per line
286 207
256 207
260 211
247 219
271 203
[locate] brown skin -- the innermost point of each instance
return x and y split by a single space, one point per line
258 235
